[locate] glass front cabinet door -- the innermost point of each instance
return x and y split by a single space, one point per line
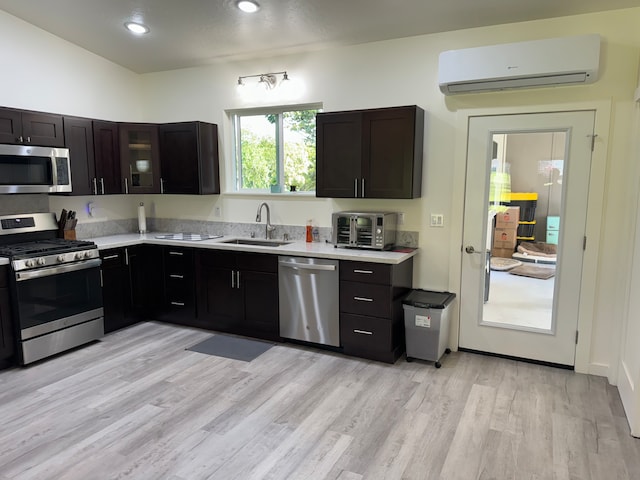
139 158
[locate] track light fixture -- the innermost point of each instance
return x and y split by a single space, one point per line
268 80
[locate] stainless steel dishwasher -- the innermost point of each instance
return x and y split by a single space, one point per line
309 299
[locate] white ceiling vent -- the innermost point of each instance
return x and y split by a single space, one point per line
539 63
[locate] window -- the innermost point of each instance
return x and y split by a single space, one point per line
275 149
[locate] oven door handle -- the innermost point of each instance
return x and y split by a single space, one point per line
48 271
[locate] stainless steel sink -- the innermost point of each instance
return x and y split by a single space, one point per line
255 241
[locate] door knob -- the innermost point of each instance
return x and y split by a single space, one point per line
470 249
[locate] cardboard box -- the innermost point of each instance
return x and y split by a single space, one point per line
505 237
502 252
508 218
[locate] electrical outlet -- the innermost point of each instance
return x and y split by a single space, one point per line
217 212
400 218
437 220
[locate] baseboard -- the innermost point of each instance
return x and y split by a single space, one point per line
628 395
599 369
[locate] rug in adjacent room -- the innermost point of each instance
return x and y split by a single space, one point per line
237 348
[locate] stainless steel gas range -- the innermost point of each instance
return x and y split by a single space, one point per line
56 293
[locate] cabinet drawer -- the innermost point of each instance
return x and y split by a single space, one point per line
257 262
365 333
178 260
366 299
112 258
365 272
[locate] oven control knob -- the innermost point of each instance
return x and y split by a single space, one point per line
30 263
60 258
88 254
41 261
79 255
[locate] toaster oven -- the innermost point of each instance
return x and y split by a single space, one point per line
376 230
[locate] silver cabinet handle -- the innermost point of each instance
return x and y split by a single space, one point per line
363 332
161 185
28 139
101 279
363 299
111 257
176 276
355 187
368 272
233 279
171 252
95 186
126 256
20 139
126 185
102 185
238 279
362 191
178 304
470 249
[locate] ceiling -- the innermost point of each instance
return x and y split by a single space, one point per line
189 33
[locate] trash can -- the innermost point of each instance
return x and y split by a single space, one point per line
426 324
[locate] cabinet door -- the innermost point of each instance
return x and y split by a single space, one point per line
145 276
10 125
115 289
78 138
392 149
338 154
220 303
189 158
42 129
139 161
6 327
107 157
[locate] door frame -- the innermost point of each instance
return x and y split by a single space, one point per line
595 208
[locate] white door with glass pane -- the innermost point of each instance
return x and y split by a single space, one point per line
525 316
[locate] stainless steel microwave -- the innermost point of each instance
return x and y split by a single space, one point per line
29 169
375 230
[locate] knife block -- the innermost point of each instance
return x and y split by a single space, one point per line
69 234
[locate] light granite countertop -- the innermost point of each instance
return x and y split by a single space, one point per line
4 261
295 248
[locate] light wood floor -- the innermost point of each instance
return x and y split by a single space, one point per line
138 406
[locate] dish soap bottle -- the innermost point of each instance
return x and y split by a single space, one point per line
309 231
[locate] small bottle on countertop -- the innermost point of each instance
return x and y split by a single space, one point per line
309 232
315 233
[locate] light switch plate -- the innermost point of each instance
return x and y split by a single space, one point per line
437 220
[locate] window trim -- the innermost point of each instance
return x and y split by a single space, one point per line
235 115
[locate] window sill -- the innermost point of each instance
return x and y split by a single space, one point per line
269 194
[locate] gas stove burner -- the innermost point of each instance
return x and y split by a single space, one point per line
49 247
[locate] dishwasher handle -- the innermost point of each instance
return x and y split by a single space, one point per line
307 266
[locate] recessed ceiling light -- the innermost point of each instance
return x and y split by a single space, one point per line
248 6
138 28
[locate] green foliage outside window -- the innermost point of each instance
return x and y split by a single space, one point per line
261 158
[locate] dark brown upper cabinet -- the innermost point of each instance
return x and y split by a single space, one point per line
31 128
139 160
373 153
107 158
189 161
78 138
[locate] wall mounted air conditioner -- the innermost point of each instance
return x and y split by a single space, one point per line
538 63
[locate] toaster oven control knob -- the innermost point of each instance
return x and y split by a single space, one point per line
60 258
378 231
41 261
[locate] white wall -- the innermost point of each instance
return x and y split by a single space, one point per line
397 72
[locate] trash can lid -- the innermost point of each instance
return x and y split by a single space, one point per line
427 299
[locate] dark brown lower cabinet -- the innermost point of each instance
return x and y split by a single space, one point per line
179 297
131 285
371 314
7 345
238 293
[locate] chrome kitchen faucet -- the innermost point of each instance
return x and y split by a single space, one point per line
268 228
